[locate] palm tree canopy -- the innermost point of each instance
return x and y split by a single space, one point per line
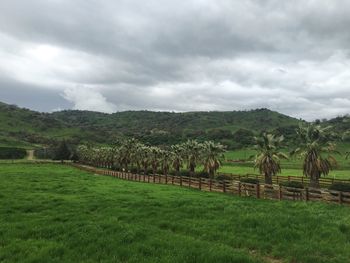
268 156
315 142
211 154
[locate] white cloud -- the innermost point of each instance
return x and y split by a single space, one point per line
85 98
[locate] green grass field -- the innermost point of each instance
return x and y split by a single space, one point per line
55 213
292 166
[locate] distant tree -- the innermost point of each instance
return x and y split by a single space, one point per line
243 138
268 155
315 142
63 152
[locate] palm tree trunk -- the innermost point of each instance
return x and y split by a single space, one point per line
314 182
268 178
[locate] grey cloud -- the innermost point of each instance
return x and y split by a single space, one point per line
290 56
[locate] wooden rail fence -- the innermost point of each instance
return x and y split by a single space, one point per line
234 187
324 182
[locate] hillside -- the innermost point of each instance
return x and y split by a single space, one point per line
29 128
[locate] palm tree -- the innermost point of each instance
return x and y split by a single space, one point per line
268 155
125 152
145 158
165 161
155 154
315 143
211 155
177 158
192 153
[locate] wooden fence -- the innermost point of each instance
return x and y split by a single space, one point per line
324 182
232 187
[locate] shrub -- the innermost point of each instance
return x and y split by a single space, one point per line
185 173
342 187
12 153
250 180
202 174
223 177
293 184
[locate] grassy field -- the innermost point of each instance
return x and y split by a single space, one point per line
54 213
291 166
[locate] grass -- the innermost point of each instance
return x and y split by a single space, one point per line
292 166
55 213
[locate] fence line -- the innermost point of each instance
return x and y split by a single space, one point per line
231 186
324 182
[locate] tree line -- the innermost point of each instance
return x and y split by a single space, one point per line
314 145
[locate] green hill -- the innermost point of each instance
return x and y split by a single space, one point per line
26 128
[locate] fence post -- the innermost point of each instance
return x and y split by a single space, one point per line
172 179
166 179
340 197
288 178
200 183
180 180
307 193
224 186
279 192
257 190
210 182
239 188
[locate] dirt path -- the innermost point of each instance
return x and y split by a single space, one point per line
30 155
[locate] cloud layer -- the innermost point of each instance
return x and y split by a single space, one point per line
290 56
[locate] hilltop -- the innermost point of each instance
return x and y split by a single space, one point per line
29 128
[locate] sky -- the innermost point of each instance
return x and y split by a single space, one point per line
195 55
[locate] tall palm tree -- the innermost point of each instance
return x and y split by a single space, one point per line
165 161
137 155
268 156
145 158
315 148
192 153
177 158
155 154
212 153
127 147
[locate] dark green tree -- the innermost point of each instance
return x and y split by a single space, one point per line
63 152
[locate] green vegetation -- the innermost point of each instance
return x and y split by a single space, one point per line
25 128
12 153
268 155
54 213
314 142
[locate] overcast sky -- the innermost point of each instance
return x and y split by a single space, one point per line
110 55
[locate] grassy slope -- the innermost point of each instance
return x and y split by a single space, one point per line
58 214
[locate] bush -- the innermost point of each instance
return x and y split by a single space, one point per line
12 153
293 184
185 173
342 187
250 180
202 174
223 177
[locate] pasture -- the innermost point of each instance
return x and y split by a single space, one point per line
55 213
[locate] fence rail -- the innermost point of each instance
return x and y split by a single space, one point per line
234 187
324 182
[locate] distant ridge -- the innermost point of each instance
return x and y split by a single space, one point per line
20 126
